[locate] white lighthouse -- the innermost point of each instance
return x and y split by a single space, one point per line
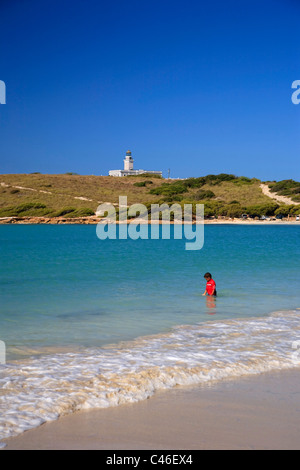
128 161
128 168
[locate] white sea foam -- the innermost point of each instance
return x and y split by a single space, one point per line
43 388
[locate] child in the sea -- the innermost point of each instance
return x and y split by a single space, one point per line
210 285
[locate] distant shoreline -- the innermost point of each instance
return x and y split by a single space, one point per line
93 220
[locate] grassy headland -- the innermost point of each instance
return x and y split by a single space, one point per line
72 195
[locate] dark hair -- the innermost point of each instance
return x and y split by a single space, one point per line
206 275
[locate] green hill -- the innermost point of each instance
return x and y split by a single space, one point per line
74 195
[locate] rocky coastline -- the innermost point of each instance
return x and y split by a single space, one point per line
49 220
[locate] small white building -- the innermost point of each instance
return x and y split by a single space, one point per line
128 168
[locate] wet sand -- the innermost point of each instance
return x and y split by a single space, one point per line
258 412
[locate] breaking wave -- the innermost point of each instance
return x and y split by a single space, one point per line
41 389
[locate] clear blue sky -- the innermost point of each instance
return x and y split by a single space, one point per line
199 87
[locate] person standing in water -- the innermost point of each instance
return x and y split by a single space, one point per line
210 285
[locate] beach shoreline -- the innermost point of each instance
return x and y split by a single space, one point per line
93 220
255 412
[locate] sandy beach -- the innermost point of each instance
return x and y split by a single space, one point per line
258 412
96 220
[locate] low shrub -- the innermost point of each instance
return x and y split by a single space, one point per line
64 211
204 194
169 189
74 212
140 184
23 210
84 212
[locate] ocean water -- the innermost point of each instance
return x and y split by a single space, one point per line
96 323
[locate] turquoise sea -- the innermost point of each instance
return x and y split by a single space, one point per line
93 323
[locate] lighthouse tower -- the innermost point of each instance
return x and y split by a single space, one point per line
128 161
128 168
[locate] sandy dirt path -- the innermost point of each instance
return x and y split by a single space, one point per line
282 199
4 185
